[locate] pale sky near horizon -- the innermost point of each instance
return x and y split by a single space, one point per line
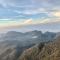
18 13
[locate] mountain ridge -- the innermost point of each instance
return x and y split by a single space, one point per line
50 51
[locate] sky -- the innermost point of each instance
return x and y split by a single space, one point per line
18 13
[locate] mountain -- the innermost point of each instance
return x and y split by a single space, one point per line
7 52
43 51
32 36
14 43
11 51
57 34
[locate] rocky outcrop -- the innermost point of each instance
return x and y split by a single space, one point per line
49 51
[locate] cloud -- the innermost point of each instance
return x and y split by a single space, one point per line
5 3
55 2
29 21
12 23
30 8
51 20
29 3
32 11
56 14
21 23
17 11
5 19
14 3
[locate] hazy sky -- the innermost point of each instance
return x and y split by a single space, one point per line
17 13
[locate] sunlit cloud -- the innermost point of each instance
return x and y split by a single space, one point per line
29 21
12 23
44 21
56 14
7 23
